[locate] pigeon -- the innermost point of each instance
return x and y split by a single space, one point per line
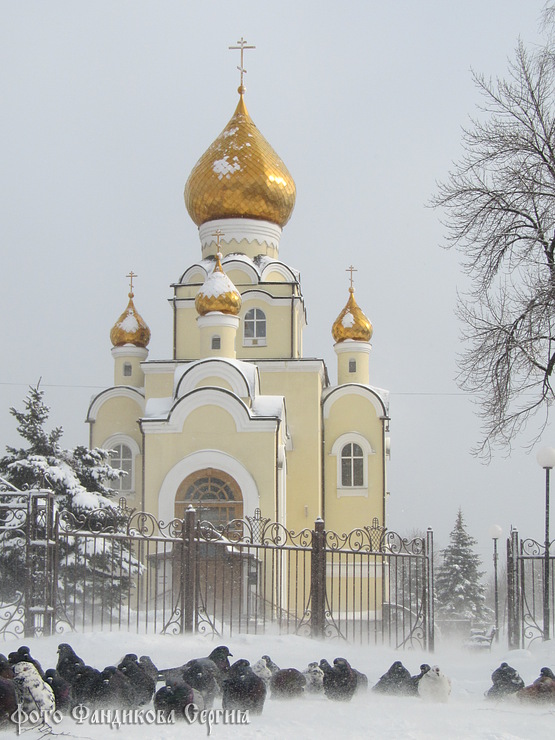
6 670
200 674
542 690
115 690
287 683
63 691
397 680
85 683
32 692
142 683
174 697
412 686
340 681
8 700
68 662
260 668
148 666
314 677
270 663
24 654
506 681
434 686
243 689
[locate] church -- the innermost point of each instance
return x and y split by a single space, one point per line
236 418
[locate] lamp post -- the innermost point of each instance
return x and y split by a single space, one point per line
546 460
495 533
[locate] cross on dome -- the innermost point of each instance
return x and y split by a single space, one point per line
131 276
351 269
242 45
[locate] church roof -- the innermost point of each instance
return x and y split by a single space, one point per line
352 323
130 328
240 176
218 293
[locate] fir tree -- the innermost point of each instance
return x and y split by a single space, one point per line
80 479
458 591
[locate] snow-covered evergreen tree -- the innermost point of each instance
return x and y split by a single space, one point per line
458 590
80 479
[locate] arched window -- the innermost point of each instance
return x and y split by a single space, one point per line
121 457
214 494
352 465
254 328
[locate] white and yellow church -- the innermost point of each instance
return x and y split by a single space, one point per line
236 419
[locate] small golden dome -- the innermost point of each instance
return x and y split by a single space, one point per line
218 293
240 176
352 323
130 328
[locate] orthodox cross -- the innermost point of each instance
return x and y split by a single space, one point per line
242 45
351 269
131 276
218 233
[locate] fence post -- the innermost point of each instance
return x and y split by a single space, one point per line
188 571
513 624
430 586
318 579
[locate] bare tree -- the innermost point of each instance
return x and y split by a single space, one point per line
499 205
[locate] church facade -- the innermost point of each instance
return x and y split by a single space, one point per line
236 418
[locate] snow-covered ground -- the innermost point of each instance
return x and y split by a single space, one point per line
467 715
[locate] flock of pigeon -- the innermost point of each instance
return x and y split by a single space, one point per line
201 681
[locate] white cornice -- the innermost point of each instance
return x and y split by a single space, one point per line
237 229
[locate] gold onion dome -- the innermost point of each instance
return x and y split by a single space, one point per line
218 293
130 328
240 176
352 323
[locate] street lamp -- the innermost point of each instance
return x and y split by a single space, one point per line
546 459
495 533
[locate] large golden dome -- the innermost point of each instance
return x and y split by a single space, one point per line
352 323
218 293
240 176
130 328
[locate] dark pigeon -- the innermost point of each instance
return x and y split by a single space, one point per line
397 680
243 689
23 654
542 691
8 700
143 685
115 690
200 674
287 683
69 664
340 680
506 681
174 697
63 690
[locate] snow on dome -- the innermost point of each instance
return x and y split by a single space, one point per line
130 328
218 293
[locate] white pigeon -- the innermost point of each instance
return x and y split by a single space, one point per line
32 692
434 686
260 668
314 676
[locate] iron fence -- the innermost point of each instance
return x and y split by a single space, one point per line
114 569
526 567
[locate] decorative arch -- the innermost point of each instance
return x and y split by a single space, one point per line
214 493
197 462
118 391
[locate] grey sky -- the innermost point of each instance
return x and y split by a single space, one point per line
106 107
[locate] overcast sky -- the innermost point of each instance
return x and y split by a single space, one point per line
106 107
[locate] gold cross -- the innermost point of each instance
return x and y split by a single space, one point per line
131 276
351 269
242 45
218 233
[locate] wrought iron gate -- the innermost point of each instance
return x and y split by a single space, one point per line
526 570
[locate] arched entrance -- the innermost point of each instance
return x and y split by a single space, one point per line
214 494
